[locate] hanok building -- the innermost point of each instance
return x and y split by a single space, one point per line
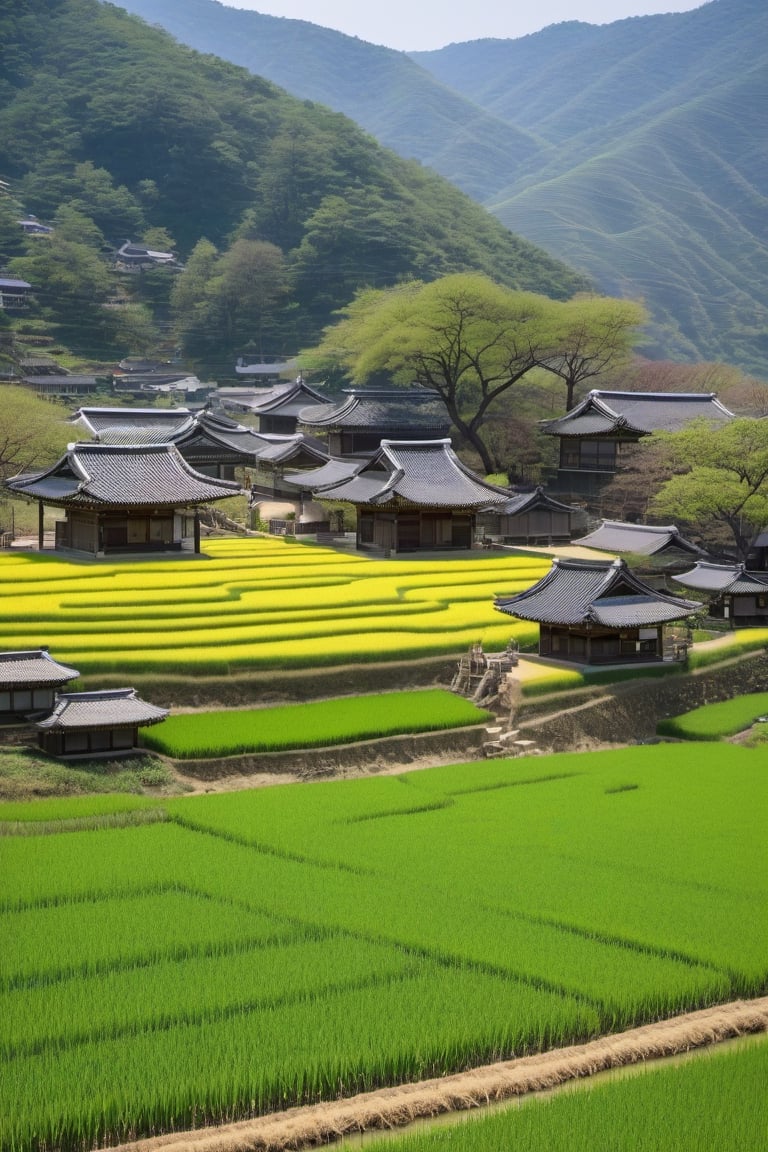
415 495
738 596
14 294
274 409
529 518
357 424
662 541
104 723
123 498
212 443
28 682
594 434
597 612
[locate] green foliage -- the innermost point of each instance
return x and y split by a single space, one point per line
473 341
695 1106
34 432
716 721
145 137
342 721
721 479
231 945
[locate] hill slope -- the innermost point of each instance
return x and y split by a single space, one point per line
386 92
658 185
136 131
633 150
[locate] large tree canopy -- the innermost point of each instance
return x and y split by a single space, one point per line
472 340
722 480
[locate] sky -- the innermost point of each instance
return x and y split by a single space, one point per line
418 25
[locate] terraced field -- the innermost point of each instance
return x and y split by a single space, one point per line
257 603
252 950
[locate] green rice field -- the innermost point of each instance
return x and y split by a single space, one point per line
714 1101
717 721
257 604
313 725
249 951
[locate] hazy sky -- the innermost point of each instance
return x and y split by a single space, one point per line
413 25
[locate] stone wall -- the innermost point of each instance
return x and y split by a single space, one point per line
627 713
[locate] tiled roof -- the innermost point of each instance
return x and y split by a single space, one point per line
98 475
133 425
389 409
332 472
525 501
642 539
33 666
730 578
594 591
113 708
287 398
602 413
423 473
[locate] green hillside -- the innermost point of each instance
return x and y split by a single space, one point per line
133 132
387 93
634 151
658 185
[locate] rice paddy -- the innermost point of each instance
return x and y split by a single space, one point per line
322 722
254 950
254 604
717 721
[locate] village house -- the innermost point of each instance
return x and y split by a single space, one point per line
594 434
660 541
14 293
274 409
736 595
528 518
597 612
356 424
415 495
123 498
29 680
104 723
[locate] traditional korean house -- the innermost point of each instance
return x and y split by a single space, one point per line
594 433
263 372
102 723
29 680
133 425
123 498
736 595
273 409
14 294
529 518
63 385
641 540
597 612
356 424
132 257
415 495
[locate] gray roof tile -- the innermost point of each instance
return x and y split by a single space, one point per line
641 539
409 411
112 708
730 578
97 475
33 666
422 473
600 591
602 413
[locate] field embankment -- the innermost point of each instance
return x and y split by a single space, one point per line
390 1108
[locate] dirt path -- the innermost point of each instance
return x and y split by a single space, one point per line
392 1107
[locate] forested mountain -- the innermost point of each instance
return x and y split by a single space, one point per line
111 129
640 153
386 92
658 184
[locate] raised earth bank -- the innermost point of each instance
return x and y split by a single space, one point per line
388 1108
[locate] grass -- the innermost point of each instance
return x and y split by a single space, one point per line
27 775
261 949
716 721
712 1101
313 725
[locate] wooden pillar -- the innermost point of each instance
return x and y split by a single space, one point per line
40 525
197 530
